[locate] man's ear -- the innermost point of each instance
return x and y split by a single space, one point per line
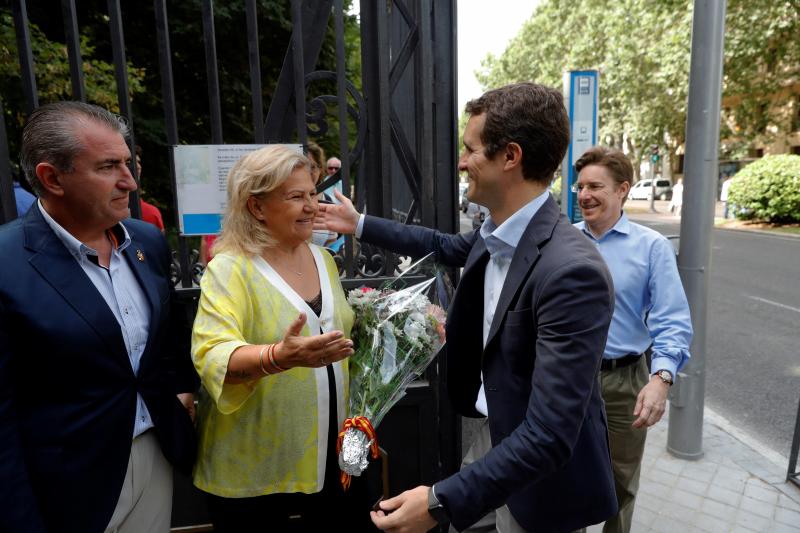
513 156
50 178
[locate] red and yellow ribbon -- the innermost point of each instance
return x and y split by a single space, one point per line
361 423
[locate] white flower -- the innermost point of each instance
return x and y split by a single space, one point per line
414 328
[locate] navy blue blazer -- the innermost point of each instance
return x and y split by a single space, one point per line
549 460
67 388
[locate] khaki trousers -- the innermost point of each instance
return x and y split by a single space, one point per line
500 520
145 502
620 388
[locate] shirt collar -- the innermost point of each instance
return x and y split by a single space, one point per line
117 233
623 226
508 234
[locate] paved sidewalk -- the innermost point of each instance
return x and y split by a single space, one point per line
736 486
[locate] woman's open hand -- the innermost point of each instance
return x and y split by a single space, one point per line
316 351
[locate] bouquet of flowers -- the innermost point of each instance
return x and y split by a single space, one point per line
396 335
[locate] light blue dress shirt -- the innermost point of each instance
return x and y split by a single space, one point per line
650 304
125 298
501 242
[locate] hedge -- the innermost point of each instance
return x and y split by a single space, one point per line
767 190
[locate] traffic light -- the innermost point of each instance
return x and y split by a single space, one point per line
654 155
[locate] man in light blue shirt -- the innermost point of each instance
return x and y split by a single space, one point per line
650 313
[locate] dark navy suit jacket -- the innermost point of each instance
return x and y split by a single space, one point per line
549 460
67 388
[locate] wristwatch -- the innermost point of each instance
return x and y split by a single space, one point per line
666 377
436 509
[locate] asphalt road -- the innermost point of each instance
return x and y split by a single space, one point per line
753 352
753 329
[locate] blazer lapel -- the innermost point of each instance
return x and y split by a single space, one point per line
526 254
51 259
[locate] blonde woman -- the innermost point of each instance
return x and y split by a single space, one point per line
269 341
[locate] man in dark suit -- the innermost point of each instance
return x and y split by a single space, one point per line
525 333
95 377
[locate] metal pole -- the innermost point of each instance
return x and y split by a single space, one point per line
685 434
299 71
123 95
254 58
20 11
8 203
72 37
214 100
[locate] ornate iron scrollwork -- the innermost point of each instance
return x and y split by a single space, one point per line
176 270
317 111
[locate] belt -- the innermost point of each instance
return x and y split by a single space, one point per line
625 360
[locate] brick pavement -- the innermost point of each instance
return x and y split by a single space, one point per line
737 486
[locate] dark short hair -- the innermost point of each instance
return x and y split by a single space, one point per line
50 136
613 160
530 115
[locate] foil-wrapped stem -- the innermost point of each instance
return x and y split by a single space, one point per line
354 454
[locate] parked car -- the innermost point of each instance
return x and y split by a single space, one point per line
462 193
643 190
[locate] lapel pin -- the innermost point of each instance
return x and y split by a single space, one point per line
140 255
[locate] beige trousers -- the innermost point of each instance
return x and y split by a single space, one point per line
499 520
620 388
145 502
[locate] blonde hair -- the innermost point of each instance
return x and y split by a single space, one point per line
256 173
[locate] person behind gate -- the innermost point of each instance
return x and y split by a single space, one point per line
525 332
650 313
96 383
270 343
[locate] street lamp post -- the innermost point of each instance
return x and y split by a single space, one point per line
685 434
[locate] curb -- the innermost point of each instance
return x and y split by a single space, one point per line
760 231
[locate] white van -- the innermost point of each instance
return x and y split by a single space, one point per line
643 190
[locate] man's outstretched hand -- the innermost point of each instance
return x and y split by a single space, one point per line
341 218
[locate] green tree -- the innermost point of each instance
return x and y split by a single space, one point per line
189 71
642 50
52 76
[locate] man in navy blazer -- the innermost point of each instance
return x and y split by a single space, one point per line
95 377
525 332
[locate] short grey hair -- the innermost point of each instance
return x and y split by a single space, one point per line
50 136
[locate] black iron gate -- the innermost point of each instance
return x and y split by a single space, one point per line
401 163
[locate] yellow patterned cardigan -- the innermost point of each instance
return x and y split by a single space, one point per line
267 436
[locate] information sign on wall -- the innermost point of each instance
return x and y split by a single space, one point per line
201 179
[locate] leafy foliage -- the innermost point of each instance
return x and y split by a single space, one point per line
52 75
768 190
642 50
189 72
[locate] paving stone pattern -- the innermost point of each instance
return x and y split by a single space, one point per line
733 488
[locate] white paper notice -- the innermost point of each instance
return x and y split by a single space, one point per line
201 175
